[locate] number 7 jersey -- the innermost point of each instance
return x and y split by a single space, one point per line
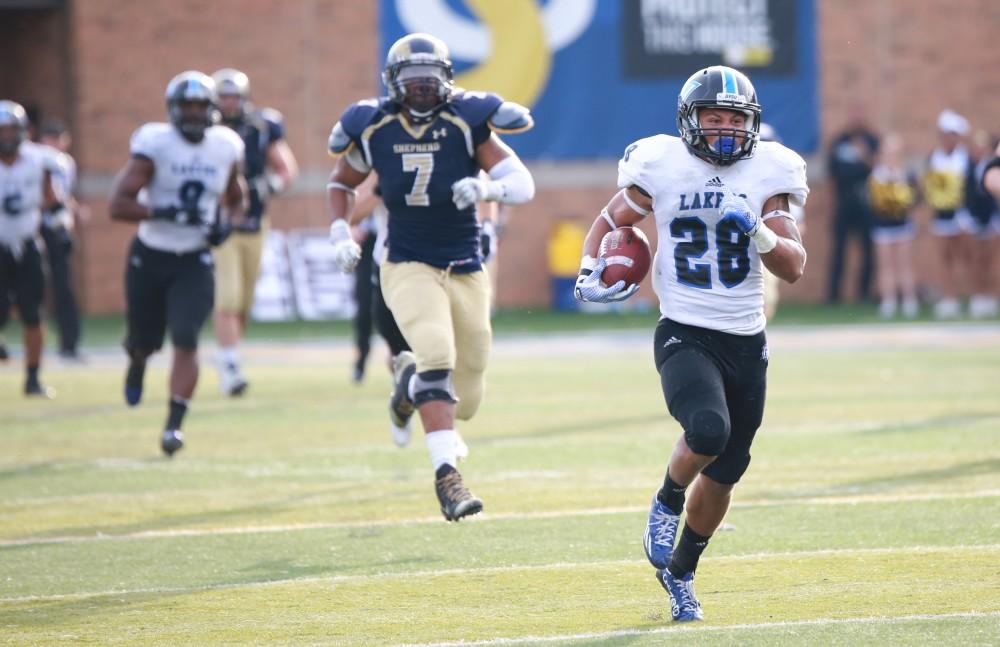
706 272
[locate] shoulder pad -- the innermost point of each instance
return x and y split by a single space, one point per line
787 172
511 117
271 116
475 107
145 140
339 141
358 116
640 160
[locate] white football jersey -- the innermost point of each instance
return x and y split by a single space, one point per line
186 173
22 192
706 272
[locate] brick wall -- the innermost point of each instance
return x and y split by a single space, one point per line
310 58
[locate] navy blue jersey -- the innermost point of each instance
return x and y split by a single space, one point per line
258 129
416 166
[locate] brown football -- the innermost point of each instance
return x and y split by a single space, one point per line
627 252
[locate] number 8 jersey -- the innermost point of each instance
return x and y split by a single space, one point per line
706 272
187 175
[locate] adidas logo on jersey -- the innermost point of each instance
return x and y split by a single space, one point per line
715 181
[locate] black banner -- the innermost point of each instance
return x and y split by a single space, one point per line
670 38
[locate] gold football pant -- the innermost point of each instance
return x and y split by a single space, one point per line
237 264
445 318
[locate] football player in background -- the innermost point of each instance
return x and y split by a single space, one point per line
428 141
187 168
57 232
984 219
721 201
27 191
269 168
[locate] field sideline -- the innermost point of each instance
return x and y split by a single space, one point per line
870 513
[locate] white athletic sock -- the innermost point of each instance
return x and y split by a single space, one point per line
228 355
442 446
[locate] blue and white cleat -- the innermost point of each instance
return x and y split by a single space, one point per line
684 606
661 530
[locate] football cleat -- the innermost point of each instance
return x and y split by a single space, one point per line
4 353
684 606
661 530
231 380
171 441
401 408
456 500
133 382
35 389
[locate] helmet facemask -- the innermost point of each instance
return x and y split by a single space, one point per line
193 117
423 87
731 144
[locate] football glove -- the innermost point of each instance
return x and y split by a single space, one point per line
346 252
470 190
488 240
217 232
733 206
588 284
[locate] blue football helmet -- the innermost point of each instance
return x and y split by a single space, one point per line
192 87
718 87
419 76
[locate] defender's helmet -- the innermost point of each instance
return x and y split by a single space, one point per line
230 82
192 87
718 87
13 114
419 75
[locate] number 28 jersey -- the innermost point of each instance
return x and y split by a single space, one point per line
186 175
706 272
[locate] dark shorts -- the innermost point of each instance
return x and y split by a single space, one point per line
165 291
727 373
22 282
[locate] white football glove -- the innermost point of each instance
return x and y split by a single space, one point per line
588 284
733 206
470 190
346 252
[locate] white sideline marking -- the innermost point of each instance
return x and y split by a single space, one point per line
621 633
483 518
498 569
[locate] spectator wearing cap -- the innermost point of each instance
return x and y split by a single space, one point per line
944 191
852 154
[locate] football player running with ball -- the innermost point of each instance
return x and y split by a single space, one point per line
427 141
721 200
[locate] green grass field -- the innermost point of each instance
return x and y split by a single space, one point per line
869 516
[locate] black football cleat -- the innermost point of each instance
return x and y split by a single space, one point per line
35 389
456 500
171 441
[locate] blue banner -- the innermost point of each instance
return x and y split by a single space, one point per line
599 74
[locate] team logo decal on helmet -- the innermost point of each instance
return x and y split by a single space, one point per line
718 87
192 87
418 75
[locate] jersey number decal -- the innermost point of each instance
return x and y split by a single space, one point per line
732 246
423 164
12 204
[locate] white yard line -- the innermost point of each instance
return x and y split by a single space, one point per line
367 577
484 518
698 629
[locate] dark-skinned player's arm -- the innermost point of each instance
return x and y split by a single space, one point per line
341 191
125 205
510 182
787 260
627 207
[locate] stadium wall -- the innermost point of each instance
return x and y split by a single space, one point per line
103 66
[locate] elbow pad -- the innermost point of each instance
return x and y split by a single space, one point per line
511 182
